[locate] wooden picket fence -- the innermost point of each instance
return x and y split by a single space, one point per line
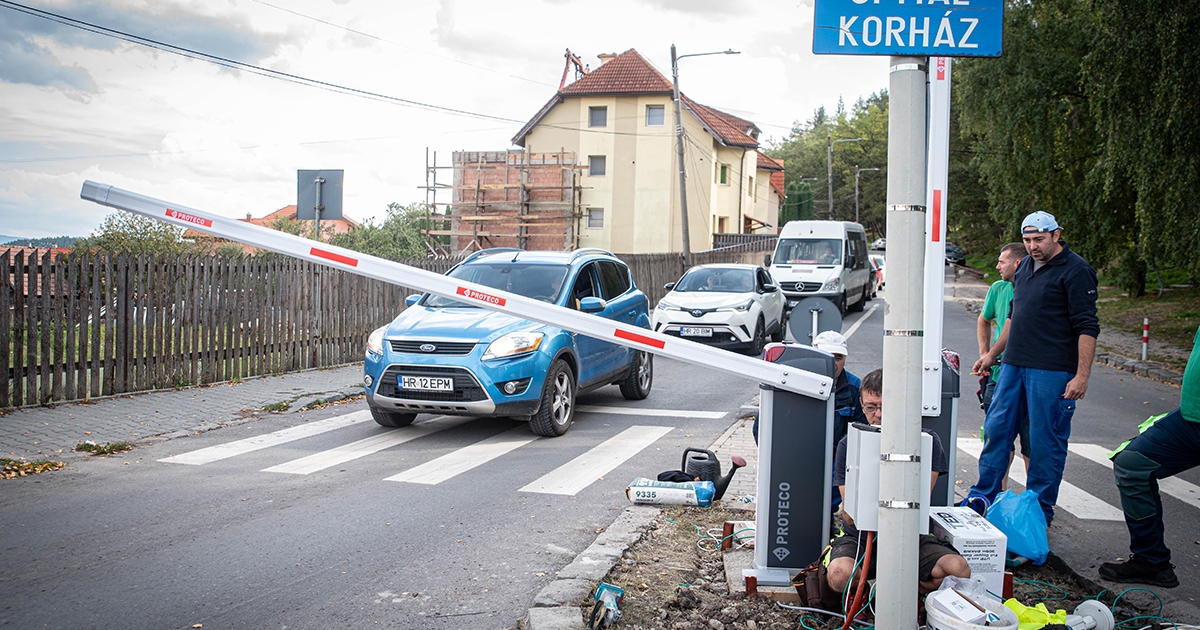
88 324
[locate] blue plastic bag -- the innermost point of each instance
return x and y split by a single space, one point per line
1020 517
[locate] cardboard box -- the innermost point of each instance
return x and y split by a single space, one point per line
977 540
950 602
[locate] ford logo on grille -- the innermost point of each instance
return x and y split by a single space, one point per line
428 347
697 313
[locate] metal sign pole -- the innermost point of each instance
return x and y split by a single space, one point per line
317 208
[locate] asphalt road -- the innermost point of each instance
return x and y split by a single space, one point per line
133 542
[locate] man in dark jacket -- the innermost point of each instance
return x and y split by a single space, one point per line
1048 347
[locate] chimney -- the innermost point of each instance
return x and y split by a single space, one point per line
247 216
606 57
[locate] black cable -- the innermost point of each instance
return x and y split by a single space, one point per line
230 63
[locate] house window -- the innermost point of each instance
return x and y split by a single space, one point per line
655 115
723 174
722 225
595 218
750 187
597 116
597 165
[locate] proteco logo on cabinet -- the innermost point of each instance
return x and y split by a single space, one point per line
935 28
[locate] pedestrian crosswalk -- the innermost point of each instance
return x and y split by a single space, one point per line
568 479
1081 503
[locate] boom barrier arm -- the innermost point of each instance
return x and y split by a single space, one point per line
754 369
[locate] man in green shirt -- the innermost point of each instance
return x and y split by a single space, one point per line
988 329
1167 445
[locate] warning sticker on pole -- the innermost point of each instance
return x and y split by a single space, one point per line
190 218
481 296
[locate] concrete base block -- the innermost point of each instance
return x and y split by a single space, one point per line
561 618
561 592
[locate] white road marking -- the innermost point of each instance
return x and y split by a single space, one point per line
1071 498
464 459
665 413
283 436
859 321
582 471
1187 492
362 448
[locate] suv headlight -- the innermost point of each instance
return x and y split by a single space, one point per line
667 306
832 285
375 341
513 344
740 308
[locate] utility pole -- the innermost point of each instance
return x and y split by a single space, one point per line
900 443
683 209
829 142
856 172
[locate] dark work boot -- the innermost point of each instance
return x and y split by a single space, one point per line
1136 571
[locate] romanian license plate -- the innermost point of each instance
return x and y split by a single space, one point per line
695 332
428 383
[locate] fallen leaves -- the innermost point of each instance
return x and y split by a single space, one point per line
13 468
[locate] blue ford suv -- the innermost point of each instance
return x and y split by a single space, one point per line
448 357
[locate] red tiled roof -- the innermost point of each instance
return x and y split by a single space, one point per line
627 73
726 128
777 183
630 73
768 163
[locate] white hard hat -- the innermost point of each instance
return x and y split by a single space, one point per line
831 342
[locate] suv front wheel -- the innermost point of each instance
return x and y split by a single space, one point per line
392 419
557 408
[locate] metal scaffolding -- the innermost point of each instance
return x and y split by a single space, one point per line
503 199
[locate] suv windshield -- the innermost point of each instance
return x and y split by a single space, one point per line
813 251
540 282
717 280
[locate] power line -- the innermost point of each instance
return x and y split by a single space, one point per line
230 63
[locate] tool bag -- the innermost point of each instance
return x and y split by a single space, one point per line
812 585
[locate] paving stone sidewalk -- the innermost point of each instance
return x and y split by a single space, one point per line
35 433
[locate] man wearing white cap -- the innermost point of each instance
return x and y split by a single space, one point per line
1048 347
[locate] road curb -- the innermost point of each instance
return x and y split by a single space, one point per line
557 605
1149 369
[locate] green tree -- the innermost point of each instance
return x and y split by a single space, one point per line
127 232
791 204
804 202
1142 70
396 238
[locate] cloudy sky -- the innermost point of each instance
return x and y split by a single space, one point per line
76 104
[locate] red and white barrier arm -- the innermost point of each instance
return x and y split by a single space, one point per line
750 368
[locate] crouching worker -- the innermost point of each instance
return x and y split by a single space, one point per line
937 559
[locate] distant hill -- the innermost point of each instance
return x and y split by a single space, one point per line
18 241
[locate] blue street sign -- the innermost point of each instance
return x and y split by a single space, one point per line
934 28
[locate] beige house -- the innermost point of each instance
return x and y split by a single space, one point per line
619 120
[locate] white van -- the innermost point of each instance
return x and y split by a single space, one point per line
823 258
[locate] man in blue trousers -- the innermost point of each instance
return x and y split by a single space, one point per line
1167 445
1048 347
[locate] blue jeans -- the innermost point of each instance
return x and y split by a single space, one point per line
1170 446
1022 391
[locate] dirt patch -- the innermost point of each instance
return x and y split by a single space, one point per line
674 579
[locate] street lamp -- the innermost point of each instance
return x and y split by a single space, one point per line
829 142
687 241
856 172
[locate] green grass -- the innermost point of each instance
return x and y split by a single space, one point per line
282 405
11 468
103 449
986 264
1173 317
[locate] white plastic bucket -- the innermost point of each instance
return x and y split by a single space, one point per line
935 619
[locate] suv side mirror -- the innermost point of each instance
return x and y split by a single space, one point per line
412 299
668 286
592 305
769 288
